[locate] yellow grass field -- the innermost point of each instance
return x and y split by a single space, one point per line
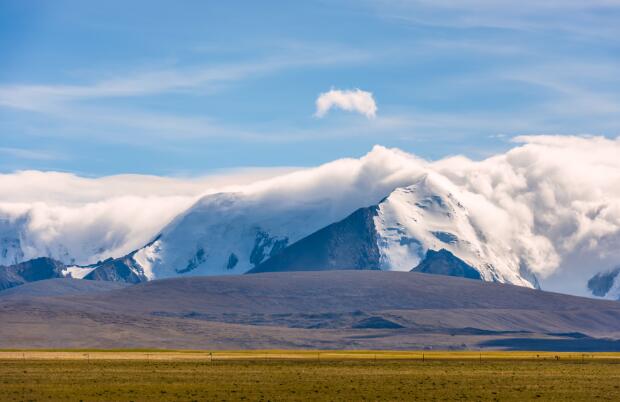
280 375
297 355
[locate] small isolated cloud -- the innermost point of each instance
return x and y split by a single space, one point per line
355 100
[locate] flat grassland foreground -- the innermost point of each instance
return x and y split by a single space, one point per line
151 375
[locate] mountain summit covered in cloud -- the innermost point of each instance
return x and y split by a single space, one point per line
548 210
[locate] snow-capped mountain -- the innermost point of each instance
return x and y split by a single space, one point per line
232 233
21 241
236 232
229 233
428 216
398 233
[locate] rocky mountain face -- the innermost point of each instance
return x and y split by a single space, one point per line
30 271
443 262
122 269
422 227
348 244
606 284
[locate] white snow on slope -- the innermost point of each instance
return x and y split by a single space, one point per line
228 234
426 215
76 272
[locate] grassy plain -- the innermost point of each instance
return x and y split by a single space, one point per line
140 375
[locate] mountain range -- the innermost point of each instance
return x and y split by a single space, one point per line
422 226
237 270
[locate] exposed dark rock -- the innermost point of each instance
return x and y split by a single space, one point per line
443 262
265 246
232 261
446 237
348 244
601 283
30 271
192 264
9 279
118 270
278 245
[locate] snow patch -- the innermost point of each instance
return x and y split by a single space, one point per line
77 272
147 257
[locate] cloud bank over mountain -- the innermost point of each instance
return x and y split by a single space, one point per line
70 217
552 200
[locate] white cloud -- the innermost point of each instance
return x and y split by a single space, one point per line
61 214
551 201
33 154
574 17
77 106
50 98
355 100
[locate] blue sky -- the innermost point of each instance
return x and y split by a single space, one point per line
185 88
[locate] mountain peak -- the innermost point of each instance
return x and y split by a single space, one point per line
427 215
443 262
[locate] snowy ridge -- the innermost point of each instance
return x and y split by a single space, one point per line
426 215
228 233
231 233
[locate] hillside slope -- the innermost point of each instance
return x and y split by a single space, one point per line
326 309
59 287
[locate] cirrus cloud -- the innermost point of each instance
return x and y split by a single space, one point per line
354 100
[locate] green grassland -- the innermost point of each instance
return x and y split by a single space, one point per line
141 375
